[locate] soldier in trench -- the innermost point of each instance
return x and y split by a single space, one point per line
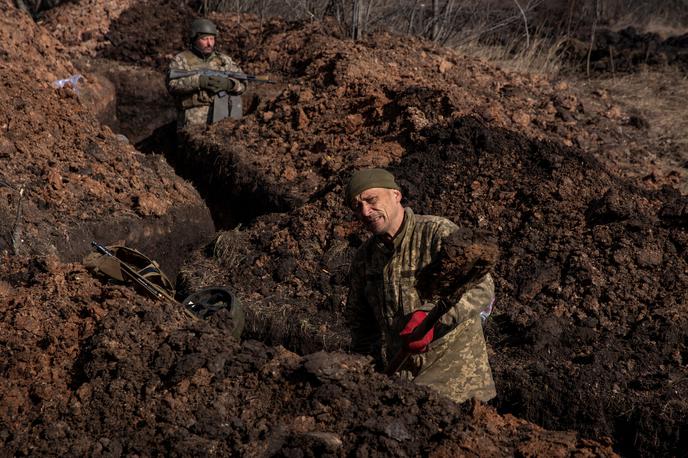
383 306
203 99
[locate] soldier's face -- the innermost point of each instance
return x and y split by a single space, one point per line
380 210
205 43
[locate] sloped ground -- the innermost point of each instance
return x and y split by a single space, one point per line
93 369
589 333
66 178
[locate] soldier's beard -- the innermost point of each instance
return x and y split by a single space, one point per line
205 50
376 224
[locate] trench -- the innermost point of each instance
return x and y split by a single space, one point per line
236 195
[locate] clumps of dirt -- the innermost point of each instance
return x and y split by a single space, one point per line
290 271
344 105
581 282
83 27
466 256
514 154
73 386
29 48
580 295
586 334
105 42
69 179
628 50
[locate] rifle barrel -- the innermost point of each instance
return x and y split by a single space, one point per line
174 74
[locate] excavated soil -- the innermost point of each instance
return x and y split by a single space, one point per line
67 179
589 335
465 258
628 50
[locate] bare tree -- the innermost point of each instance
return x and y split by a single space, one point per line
525 22
435 20
357 19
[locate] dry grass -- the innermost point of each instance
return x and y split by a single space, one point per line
276 321
227 248
658 97
542 56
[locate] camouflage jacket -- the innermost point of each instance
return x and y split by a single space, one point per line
193 103
382 296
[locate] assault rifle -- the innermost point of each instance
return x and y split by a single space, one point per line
175 74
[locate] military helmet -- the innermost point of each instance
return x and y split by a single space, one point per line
202 26
218 299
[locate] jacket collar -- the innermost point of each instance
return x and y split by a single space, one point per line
407 225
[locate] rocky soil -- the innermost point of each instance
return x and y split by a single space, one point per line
589 336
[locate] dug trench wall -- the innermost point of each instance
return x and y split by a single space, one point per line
66 179
589 327
588 333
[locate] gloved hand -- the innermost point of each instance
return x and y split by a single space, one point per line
421 345
217 84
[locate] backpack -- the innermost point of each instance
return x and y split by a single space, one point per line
139 263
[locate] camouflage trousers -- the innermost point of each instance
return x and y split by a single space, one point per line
196 116
456 365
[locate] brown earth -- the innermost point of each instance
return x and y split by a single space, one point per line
588 338
69 179
628 50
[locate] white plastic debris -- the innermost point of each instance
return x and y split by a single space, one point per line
73 82
484 313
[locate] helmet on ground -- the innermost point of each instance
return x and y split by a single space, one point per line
215 299
202 27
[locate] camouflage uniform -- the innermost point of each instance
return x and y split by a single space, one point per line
382 297
194 104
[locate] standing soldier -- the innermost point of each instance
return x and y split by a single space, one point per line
203 99
383 307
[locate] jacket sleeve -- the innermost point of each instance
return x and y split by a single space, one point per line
230 66
472 302
181 86
365 333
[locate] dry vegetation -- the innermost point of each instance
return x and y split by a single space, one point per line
524 35
569 39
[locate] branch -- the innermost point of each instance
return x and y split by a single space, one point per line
525 23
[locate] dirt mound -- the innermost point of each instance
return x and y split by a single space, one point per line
591 284
465 258
83 27
73 385
343 105
67 179
497 150
629 50
31 49
589 330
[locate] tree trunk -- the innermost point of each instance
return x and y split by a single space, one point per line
435 20
357 20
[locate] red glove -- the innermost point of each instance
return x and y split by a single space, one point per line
421 345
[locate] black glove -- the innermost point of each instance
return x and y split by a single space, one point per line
217 84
